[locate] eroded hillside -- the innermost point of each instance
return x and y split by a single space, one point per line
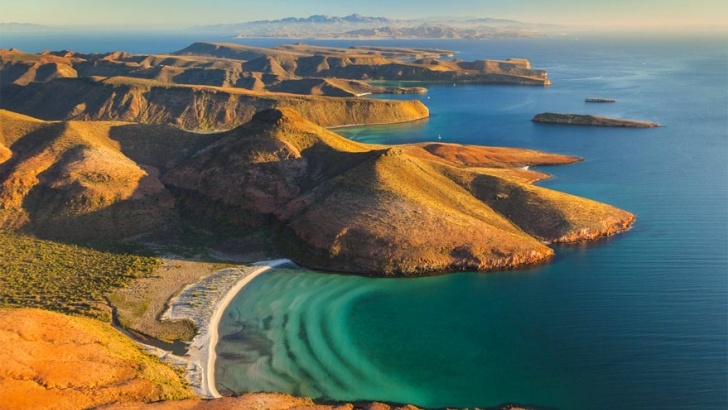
218 86
55 361
331 203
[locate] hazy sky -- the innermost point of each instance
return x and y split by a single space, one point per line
185 13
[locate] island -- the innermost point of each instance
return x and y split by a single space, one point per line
591 120
599 100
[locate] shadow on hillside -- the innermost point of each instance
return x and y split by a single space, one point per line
160 146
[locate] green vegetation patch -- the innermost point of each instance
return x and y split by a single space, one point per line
63 277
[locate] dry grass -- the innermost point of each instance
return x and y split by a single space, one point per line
70 180
139 305
56 361
67 278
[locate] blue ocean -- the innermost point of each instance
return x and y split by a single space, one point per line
639 320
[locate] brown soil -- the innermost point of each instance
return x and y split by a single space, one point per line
268 401
53 361
191 107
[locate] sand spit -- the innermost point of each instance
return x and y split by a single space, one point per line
203 303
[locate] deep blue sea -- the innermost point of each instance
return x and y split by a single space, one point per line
637 321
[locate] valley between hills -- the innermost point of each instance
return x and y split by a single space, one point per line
120 171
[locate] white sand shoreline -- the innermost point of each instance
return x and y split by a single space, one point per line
204 303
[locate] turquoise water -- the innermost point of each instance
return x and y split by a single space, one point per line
636 321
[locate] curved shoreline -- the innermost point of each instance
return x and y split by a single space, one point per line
217 291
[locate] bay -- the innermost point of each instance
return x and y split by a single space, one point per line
635 321
639 320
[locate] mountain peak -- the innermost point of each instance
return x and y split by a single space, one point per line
276 116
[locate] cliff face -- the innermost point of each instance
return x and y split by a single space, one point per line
211 86
593 120
190 107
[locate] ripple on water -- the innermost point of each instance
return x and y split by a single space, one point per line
296 339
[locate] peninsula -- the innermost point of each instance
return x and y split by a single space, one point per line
592 120
216 86
325 202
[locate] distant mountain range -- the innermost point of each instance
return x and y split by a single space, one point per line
21 27
358 26
319 18
354 26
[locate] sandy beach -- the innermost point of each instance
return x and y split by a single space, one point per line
204 303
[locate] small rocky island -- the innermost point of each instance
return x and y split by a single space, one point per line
594 120
599 100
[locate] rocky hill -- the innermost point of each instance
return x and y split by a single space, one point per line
334 204
190 107
53 361
218 86
266 73
77 180
373 64
352 207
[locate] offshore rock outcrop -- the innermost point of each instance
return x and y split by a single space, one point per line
592 120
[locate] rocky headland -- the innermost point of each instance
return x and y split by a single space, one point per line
591 120
218 86
191 107
328 202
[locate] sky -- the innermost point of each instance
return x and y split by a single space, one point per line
168 14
